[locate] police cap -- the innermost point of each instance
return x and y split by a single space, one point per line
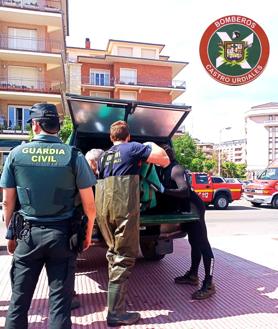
43 111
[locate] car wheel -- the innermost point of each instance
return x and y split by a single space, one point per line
221 202
149 251
274 202
255 204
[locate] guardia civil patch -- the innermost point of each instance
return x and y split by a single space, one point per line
234 50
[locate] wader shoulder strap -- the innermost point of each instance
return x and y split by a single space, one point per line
111 163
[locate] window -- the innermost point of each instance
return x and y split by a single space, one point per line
201 179
18 117
125 51
129 95
217 180
128 76
22 39
100 78
23 77
101 94
148 53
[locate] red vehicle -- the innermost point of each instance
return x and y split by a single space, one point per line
214 190
264 189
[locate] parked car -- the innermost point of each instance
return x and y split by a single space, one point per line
92 118
233 180
264 189
215 190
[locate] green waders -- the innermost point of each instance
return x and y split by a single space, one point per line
118 213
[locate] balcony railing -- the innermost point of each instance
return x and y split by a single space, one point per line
28 85
41 5
87 80
30 44
151 83
133 81
271 123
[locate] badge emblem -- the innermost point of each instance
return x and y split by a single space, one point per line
234 50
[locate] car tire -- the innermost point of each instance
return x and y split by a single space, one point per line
221 202
149 251
274 202
255 204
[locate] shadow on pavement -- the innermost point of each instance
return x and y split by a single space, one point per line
245 292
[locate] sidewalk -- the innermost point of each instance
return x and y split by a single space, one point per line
246 280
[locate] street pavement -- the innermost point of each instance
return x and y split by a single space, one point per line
244 241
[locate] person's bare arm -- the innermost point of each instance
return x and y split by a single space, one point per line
8 204
158 156
88 204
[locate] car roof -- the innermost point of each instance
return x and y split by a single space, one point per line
95 115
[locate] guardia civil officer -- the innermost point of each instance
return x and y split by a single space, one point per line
45 175
118 211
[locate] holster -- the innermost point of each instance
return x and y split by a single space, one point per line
17 225
79 224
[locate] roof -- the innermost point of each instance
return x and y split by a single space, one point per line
266 105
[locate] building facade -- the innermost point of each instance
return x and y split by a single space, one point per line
234 150
261 125
32 53
124 70
206 148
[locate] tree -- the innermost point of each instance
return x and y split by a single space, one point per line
66 128
188 154
231 169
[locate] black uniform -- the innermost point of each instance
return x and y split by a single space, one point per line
178 196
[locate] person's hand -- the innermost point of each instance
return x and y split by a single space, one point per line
11 246
87 243
159 189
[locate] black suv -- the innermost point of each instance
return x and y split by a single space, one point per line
92 118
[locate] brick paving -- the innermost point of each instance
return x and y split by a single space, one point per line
247 292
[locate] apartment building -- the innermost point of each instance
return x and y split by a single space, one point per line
261 126
234 150
124 70
32 53
207 148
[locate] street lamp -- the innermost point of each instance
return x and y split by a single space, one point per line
219 149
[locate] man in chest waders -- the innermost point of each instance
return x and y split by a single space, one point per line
118 213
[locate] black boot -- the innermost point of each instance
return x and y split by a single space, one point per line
128 318
188 278
207 290
117 314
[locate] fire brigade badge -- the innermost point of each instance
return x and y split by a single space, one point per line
234 50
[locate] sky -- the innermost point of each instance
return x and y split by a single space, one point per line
180 24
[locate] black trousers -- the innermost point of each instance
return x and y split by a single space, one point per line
198 239
42 246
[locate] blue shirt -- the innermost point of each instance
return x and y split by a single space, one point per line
124 159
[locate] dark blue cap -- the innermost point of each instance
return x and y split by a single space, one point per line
43 111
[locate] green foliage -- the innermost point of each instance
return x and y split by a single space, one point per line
66 128
190 156
231 169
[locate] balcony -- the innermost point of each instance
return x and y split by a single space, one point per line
30 44
40 5
98 83
178 84
28 85
156 83
271 123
